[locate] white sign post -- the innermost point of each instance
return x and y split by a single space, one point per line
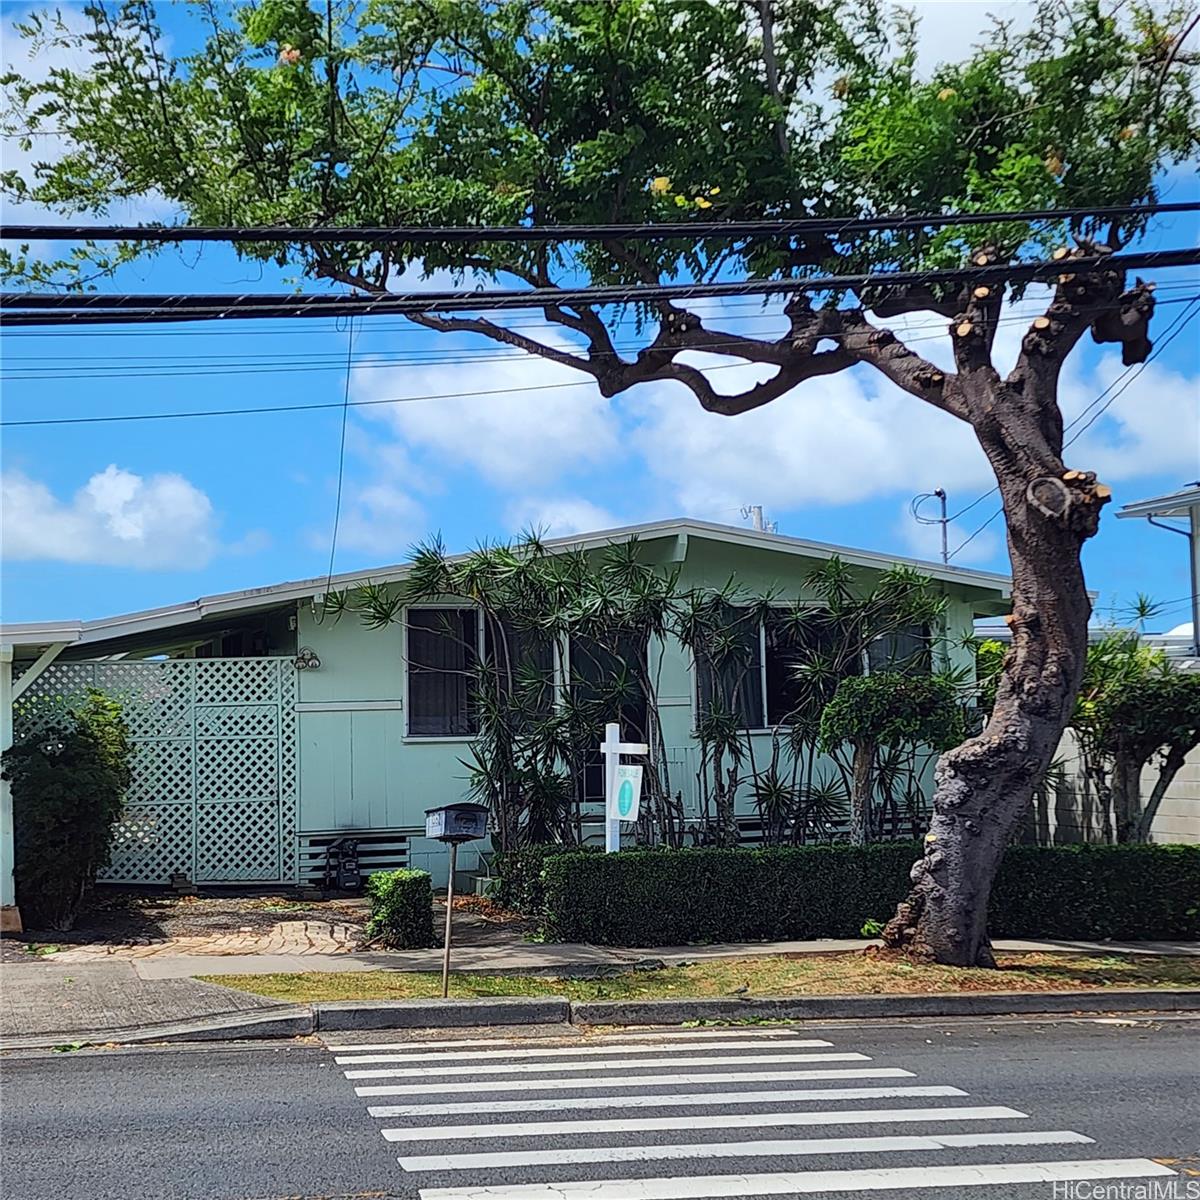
612 749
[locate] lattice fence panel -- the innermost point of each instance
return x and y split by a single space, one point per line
152 843
289 775
237 841
215 777
229 769
162 772
237 721
58 689
237 680
157 696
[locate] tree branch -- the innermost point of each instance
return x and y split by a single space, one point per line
499 333
919 377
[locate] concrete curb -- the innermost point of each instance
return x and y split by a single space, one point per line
294 1020
961 1004
347 1015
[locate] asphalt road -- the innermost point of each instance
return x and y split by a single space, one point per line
909 1109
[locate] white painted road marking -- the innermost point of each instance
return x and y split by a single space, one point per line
794 1147
567 1051
875 1116
610 1064
635 1081
708 1187
676 1100
609 1039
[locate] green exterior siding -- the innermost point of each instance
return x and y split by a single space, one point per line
360 771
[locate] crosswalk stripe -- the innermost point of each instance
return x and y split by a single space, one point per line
609 1039
877 1116
787 1148
708 1187
633 1081
677 1100
610 1064
566 1051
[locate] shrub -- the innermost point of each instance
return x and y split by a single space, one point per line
401 909
68 789
518 875
675 897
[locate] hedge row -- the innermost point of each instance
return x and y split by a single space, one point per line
676 897
401 909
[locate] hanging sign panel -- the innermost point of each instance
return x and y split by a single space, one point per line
625 799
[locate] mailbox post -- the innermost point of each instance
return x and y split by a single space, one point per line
454 823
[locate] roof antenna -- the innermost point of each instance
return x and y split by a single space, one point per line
754 512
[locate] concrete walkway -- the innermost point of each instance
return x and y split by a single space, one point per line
515 957
40 997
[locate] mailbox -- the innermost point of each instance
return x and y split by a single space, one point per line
456 822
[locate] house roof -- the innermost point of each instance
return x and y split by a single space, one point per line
30 636
1177 504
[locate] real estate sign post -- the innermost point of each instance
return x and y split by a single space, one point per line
612 749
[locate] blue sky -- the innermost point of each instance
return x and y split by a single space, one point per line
107 518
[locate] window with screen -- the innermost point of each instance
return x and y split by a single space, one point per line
443 653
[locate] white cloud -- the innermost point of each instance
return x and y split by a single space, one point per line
378 518
49 147
514 434
948 29
840 440
1151 424
559 516
157 522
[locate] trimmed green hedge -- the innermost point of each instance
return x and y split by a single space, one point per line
518 877
401 909
675 897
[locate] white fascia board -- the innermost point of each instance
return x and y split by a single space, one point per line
302 589
35 635
1178 504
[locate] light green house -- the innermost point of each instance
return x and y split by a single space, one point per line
264 732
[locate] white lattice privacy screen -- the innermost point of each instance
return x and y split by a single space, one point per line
214 767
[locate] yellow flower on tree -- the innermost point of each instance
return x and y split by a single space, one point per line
660 185
702 203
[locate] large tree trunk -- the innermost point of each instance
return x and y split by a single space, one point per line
862 787
984 786
1170 766
1127 796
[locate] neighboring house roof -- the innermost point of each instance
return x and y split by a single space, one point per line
30 636
1177 504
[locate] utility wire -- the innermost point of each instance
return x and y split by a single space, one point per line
408 329
645 231
285 364
42 309
289 408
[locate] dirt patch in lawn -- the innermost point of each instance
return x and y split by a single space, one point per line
853 973
122 916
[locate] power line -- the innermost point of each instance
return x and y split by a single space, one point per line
287 364
41 309
289 408
644 231
334 327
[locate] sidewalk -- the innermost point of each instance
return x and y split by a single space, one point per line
45 998
511 956
125 988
